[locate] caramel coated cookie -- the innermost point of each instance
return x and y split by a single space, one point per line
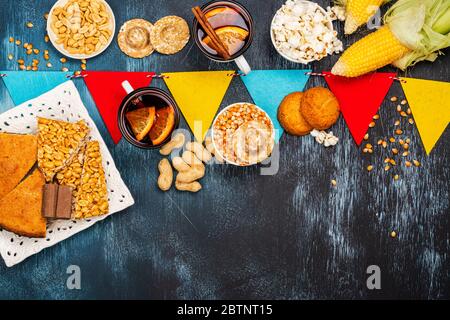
290 117
134 38
320 108
170 35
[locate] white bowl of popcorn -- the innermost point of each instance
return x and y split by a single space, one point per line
302 32
81 29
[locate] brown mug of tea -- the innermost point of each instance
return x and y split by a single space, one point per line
233 25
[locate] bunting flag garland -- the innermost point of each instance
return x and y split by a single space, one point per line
106 90
198 95
23 86
360 98
430 105
268 88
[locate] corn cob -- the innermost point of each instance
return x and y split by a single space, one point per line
374 51
359 12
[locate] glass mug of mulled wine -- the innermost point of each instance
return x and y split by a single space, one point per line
232 24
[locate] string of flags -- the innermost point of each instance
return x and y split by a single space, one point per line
199 95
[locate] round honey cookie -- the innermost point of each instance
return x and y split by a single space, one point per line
291 118
170 34
134 38
320 108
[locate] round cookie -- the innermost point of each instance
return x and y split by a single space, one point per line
290 116
134 38
170 34
320 108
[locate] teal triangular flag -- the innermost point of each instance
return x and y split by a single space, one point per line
26 85
269 87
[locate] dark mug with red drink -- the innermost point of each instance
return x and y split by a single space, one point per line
233 25
155 109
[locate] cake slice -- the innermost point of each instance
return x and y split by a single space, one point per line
20 210
58 143
92 195
18 154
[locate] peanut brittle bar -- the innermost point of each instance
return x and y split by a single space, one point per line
58 143
71 175
92 197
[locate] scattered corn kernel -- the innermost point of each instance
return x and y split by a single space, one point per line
36 51
83 61
10 56
406 146
29 51
49 65
403 114
369 146
64 69
46 38
397 123
369 168
403 102
18 42
398 131
393 234
83 66
394 99
416 163
384 144
405 154
11 39
22 67
376 117
20 61
408 163
399 108
392 139
372 124
396 177
387 167
29 25
395 151
380 141
392 161
63 60
333 183
411 121
366 137
408 111
46 15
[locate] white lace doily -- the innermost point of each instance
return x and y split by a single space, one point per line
61 103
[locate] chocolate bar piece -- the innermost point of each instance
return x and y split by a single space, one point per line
64 203
49 199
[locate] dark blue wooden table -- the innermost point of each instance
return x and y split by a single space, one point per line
287 236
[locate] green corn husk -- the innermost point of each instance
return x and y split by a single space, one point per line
421 25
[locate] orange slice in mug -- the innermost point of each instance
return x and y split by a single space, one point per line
165 120
141 121
232 37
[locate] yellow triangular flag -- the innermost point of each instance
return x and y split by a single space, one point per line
198 95
430 106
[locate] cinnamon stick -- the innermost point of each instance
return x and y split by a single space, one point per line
209 30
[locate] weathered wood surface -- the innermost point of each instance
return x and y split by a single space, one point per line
288 236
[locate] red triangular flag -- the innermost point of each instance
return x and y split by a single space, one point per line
106 90
360 98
